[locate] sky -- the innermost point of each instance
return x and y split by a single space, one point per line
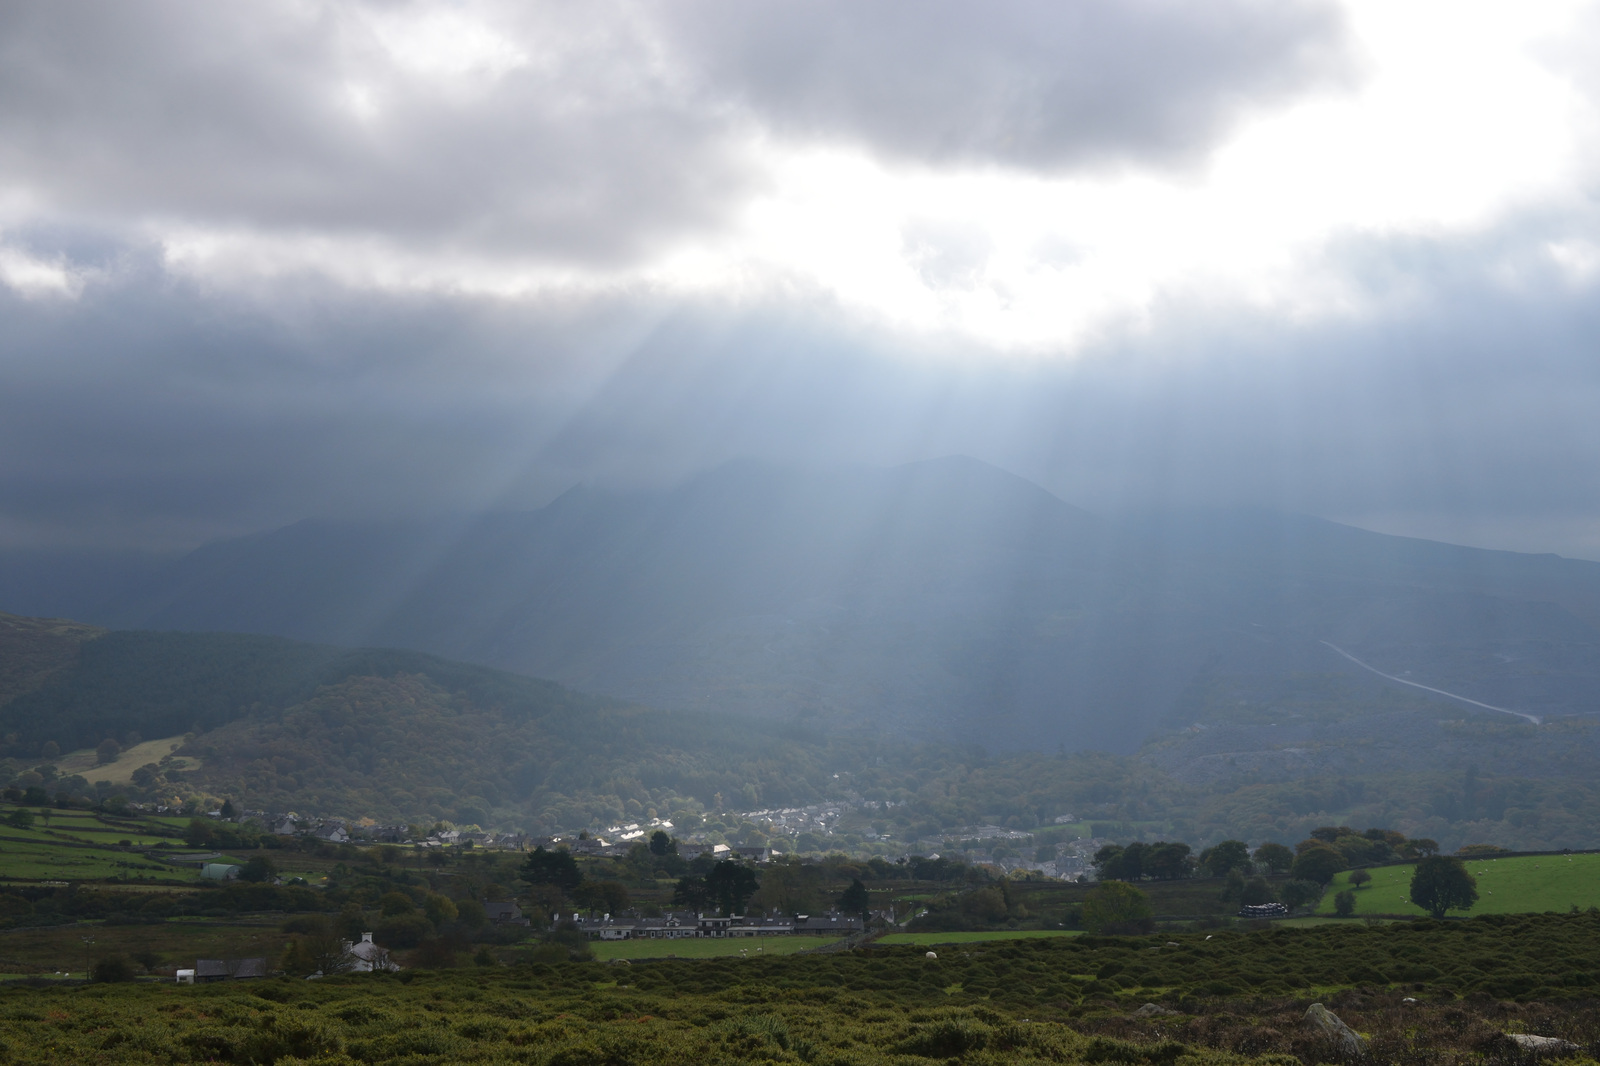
260 263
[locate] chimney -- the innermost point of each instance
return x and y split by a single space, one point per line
366 938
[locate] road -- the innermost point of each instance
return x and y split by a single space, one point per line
1535 719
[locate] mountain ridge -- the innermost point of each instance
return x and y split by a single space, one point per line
943 599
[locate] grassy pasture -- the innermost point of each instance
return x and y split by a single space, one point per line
84 761
929 939
707 948
1521 884
77 845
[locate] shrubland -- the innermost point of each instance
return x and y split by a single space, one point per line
1422 992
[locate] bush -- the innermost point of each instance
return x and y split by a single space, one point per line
1118 907
111 970
402 930
1344 904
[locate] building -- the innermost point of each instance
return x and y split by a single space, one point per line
687 925
366 957
505 912
229 969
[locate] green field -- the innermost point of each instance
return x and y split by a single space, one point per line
1524 884
927 939
78 845
708 948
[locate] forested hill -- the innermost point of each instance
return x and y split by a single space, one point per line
162 684
394 735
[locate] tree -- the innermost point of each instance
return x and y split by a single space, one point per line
1226 856
20 819
731 885
1344 903
1297 894
107 752
1256 892
1359 878
258 868
1318 863
394 903
1168 861
1117 907
326 951
855 900
601 897
556 868
1441 884
1274 857
441 910
1418 848
1109 863
691 892
227 810
662 844
1127 864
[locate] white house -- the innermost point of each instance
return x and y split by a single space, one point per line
365 957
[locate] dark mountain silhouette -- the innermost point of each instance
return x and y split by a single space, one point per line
941 598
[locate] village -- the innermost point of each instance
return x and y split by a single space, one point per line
813 830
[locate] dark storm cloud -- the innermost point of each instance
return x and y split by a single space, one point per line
153 414
253 117
604 129
1030 83
158 410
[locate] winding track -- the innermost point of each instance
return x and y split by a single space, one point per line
1535 719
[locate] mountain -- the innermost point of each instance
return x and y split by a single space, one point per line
941 599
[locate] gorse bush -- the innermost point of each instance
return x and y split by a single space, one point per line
1238 998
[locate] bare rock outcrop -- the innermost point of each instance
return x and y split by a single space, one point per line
1348 1041
1544 1045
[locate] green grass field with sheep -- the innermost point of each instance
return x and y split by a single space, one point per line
1515 884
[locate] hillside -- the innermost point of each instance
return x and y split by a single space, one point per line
32 650
943 600
393 735
404 737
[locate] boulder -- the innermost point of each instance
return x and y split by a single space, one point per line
1345 1038
1544 1045
1152 1009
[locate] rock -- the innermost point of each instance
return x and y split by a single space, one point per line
1152 1009
1544 1045
1326 1022
931 955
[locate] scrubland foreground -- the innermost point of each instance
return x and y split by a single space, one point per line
1421 993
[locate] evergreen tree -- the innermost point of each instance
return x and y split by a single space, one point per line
556 868
855 900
